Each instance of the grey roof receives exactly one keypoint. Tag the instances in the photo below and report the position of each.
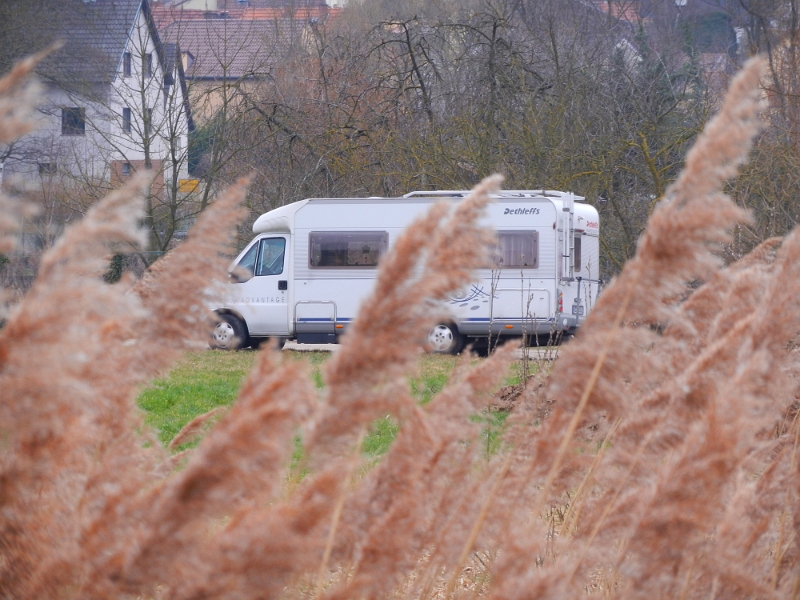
(94, 34)
(232, 48)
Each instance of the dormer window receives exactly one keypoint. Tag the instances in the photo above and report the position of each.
(188, 60)
(126, 64)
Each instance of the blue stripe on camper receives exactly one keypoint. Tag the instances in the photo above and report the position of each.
(325, 319)
(498, 319)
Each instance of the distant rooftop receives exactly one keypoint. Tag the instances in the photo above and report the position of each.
(166, 14)
(625, 11)
(231, 48)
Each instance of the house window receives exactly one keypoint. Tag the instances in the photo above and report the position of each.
(126, 120)
(125, 169)
(148, 64)
(126, 64)
(148, 119)
(73, 121)
(47, 168)
(518, 249)
(346, 249)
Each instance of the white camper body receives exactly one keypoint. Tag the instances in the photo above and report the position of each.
(313, 262)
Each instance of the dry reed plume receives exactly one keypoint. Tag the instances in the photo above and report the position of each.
(668, 467)
(18, 97)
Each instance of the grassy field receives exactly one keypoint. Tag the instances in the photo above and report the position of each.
(205, 380)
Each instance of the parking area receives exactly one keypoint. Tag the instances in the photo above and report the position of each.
(533, 352)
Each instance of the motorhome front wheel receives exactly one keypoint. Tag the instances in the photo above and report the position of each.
(445, 339)
(229, 333)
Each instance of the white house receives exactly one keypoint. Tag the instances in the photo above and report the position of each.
(115, 102)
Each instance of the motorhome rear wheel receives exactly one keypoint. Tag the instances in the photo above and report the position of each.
(445, 339)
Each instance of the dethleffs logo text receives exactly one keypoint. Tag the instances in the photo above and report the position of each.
(521, 211)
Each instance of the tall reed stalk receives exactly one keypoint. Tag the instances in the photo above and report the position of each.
(665, 465)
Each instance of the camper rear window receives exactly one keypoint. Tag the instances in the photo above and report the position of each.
(346, 249)
(517, 249)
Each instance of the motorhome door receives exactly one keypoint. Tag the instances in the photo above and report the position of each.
(259, 289)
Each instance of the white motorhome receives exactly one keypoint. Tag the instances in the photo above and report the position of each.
(312, 263)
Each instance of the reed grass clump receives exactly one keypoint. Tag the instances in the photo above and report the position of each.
(665, 464)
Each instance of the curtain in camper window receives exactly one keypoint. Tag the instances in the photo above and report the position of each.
(517, 249)
(346, 249)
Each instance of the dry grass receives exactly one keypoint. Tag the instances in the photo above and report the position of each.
(691, 397)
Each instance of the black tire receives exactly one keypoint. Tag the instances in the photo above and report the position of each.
(229, 333)
(445, 338)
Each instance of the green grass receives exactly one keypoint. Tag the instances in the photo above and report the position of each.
(434, 373)
(493, 422)
(198, 383)
(378, 440)
(205, 380)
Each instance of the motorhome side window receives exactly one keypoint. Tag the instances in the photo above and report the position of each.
(577, 253)
(264, 258)
(517, 249)
(270, 257)
(346, 249)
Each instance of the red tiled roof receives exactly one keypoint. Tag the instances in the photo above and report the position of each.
(310, 12)
(165, 15)
(232, 48)
(626, 10)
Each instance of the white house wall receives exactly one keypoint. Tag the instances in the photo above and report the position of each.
(138, 93)
(83, 157)
(88, 158)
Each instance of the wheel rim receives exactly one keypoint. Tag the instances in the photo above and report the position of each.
(223, 335)
(440, 338)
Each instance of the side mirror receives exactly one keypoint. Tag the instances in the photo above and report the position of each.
(240, 275)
